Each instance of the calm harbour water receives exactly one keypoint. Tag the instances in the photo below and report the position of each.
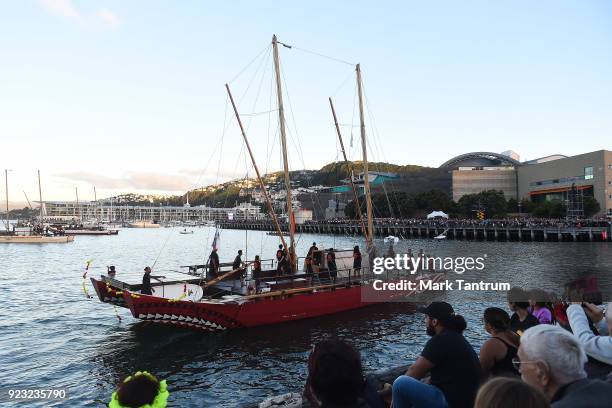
(51, 335)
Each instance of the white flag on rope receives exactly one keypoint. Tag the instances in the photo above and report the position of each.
(215, 244)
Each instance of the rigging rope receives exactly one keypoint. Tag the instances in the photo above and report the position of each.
(320, 55)
(250, 63)
(258, 113)
(376, 137)
(162, 248)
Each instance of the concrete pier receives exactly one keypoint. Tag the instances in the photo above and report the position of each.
(557, 234)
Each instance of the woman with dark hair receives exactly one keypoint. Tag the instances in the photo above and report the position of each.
(335, 377)
(541, 306)
(331, 265)
(256, 270)
(496, 354)
(509, 393)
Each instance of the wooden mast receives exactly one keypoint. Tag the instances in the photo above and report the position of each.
(355, 195)
(261, 183)
(366, 181)
(28, 200)
(76, 191)
(8, 221)
(281, 119)
(40, 198)
(96, 205)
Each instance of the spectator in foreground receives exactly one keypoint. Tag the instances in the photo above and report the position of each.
(552, 360)
(335, 377)
(521, 319)
(449, 360)
(509, 393)
(140, 390)
(597, 347)
(497, 353)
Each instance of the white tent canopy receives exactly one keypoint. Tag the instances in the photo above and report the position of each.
(435, 214)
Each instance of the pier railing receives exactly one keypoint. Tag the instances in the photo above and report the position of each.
(493, 231)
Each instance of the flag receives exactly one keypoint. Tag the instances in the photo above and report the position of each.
(215, 244)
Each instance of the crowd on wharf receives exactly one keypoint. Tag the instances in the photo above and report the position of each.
(504, 229)
(546, 354)
(469, 223)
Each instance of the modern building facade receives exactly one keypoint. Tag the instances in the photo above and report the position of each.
(469, 180)
(480, 171)
(589, 174)
(568, 179)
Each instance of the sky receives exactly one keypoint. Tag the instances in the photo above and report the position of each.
(130, 96)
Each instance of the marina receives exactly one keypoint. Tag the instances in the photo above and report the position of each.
(409, 210)
(208, 368)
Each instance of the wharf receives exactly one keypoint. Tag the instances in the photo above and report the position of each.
(472, 232)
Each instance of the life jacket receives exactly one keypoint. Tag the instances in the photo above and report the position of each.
(160, 401)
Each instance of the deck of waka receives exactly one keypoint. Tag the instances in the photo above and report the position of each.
(536, 233)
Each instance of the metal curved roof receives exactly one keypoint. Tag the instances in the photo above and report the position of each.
(489, 158)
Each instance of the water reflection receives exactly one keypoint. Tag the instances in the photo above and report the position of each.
(53, 336)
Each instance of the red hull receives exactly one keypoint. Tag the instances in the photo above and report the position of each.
(107, 293)
(222, 316)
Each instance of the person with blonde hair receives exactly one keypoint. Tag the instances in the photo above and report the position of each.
(509, 393)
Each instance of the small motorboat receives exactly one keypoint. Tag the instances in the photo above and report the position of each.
(276, 234)
(185, 231)
(143, 224)
(441, 236)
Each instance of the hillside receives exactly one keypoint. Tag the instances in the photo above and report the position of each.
(412, 179)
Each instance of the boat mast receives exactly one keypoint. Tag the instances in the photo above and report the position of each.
(28, 200)
(40, 198)
(355, 195)
(366, 180)
(261, 183)
(281, 118)
(96, 205)
(8, 221)
(76, 190)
